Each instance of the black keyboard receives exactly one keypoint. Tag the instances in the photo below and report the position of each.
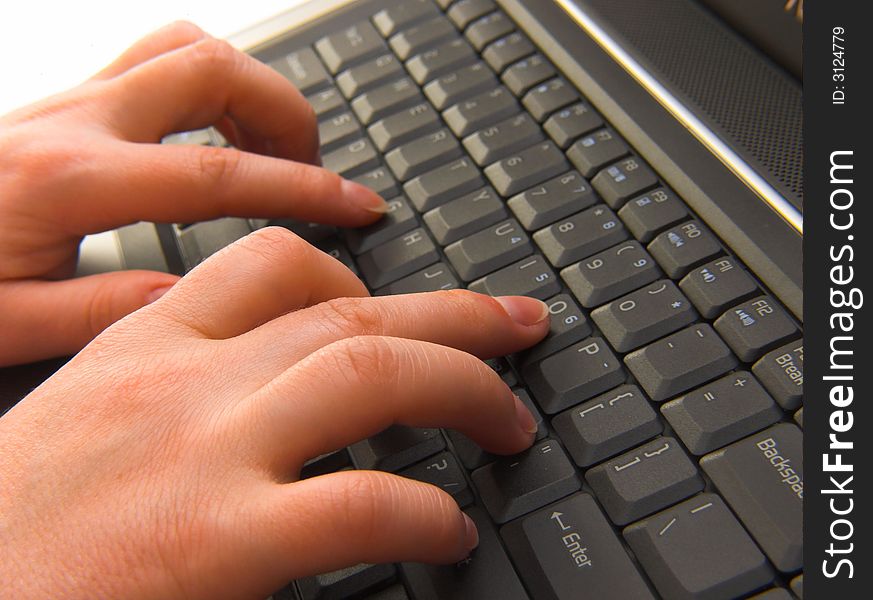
(668, 390)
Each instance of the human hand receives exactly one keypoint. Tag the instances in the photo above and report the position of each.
(88, 160)
(162, 461)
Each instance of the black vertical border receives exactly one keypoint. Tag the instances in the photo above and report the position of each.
(830, 127)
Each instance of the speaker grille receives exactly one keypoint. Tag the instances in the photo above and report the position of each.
(749, 101)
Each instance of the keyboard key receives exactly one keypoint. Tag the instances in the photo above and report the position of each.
(368, 75)
(326, 102)
(399, 219)
(643, 316)
(465, 215)
(486, 573)
(516, 485)
(773, 594)
(595, 151)
(761, 478)
(303, 69)
(555, 199)
(697, 549)
(530, 276)
(611, 273)
(394, 18)
(781, 372)
(526, 168)
(573, 375)
(567, 325)
(311, 232)
(460, 84)
(502, 139)
(397, 258)
(754, 327)
(442, 59)
(681, 361)
(404, 126)
(396, 448)
(332, 246)
(435, 187)
(466, 11)
(472, 456)
(651, 213)
(326, 463)
(336, 131)
(355, 44)
(480, 111)
(421, 37)
(622, 181)
(797, 586)
(566, 125)
(505, 51)
(580, 236)
(395, 592)
(548, 97)
(381, 181)
(433, 278)
(527, 73)
(347, 582)
(607, 425)
(442, 471)
(386, 99)
(423, 154)
(718, 285)
(489, 250)
(352, 159)
(644, 480)
(721, 412)
(485, 30)
(569, 547)
(201, 240)
(681, 248)
(798, 417)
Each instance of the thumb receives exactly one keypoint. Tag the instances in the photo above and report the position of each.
(45, 319)
(352, 517)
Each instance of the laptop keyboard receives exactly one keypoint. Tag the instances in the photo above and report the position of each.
(668, 390)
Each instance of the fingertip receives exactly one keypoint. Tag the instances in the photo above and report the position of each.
(471, 534)
(363, 198)
(524, 310)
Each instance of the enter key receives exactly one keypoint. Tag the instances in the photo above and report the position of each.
(569, 548)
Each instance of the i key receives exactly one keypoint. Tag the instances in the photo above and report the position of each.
(697, 549)
(611, 273)
(530, 276)
(644, 315)
(644, 480)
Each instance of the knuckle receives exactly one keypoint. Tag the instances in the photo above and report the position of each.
(217, 165)
(274, 245)
(364, 360)
(215, 55)
(353, 316)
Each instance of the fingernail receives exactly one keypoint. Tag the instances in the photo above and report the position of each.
(362, 196)
(525, 419)
(523, 310)
(157, 293)
(472, 535)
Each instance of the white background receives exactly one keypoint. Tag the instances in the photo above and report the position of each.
(47, 47)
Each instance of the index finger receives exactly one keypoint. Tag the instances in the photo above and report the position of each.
(199, 84)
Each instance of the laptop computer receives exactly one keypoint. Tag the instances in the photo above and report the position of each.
(635, 164)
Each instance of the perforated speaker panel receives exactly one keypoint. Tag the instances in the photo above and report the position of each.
(747, 100)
